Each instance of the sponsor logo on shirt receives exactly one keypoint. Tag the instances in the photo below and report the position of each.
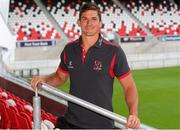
(70, 65)
(97, 65)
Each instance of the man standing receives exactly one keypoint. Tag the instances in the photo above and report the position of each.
(91, 63)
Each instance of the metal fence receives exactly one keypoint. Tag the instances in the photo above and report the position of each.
(62, 97)
(120, 121)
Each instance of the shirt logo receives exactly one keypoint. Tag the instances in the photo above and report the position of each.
(70, 65)
(97, 65)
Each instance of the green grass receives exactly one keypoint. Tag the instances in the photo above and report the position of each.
(159, 97)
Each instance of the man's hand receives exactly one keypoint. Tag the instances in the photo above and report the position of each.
(133, 122)
(37, 79)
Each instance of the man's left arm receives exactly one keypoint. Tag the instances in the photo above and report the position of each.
(123, 73)
(131, 97)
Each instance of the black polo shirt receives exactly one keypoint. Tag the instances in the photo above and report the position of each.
(91, 78)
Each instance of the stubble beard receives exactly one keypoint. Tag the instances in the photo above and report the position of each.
(91, 33)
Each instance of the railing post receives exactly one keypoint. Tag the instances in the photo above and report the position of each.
(36, 111)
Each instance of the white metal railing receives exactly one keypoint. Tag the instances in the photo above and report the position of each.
(120, 121)
(62, 97)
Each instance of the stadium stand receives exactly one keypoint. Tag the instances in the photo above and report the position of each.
(66, 14)
(28, 21)
(162, 17)
(14, 110)
(5, 121)
(34, 25)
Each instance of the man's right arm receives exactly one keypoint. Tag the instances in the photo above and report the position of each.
(54, 79)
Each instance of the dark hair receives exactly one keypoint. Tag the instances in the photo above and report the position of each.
(89, 6)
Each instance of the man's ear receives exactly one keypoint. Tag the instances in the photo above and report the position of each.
(100, 24)
(78, 22)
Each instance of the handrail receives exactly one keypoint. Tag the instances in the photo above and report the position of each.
(85, 104)
(60, 96)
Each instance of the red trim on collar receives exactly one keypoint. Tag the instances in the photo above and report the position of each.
(83, 54)
(111, 44)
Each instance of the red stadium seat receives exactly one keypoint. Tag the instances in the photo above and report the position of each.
(28, 118)
(25, 124)
(16, 113)
(3, 95)
(12, 111)
(5, 119)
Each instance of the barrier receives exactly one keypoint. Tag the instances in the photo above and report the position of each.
(120, 120)
(62, 98)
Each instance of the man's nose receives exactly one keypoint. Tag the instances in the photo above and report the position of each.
(89, 22)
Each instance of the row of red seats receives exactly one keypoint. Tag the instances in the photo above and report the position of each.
(11, 118)
(16, 113)
(34, 25)
(160, 17)
(31, 17)
(28, 21)
(69, 13)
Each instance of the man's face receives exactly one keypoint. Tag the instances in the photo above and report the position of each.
(90, 23)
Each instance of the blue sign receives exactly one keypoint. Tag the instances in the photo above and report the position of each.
(36, 43)
(170, 38)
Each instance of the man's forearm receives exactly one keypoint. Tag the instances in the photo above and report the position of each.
(54, 80)
(132, 101)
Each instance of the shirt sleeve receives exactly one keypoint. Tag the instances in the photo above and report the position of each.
(63, 66)
(121, 67)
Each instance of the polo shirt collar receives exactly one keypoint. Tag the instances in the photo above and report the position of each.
(98, 44)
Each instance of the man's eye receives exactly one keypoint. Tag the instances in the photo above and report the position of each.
(94, 19)
(84, 19)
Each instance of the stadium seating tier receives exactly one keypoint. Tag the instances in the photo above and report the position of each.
(28, 21)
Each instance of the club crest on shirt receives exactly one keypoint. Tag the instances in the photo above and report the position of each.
(97, 65)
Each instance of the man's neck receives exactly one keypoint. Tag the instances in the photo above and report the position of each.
(88, 41)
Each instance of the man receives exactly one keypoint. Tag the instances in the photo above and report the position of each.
(91, 63)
